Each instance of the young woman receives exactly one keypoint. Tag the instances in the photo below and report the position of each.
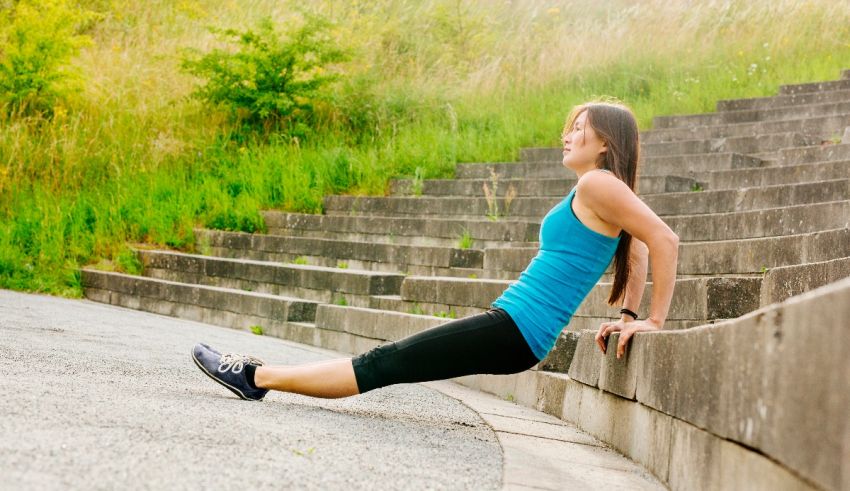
(579, 237)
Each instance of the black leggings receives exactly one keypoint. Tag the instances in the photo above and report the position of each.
(489, 342)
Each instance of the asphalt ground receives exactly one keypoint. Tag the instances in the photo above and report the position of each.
(100, 397)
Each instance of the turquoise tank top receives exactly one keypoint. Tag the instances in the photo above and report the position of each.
(570, 261)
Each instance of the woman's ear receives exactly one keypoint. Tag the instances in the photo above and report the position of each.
(604, 147)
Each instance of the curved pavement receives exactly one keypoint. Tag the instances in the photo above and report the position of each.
(97, 396)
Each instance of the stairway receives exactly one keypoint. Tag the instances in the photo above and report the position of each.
(758, 192)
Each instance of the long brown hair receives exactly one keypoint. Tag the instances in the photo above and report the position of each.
(616, 125)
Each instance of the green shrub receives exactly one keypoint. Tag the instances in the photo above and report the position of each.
(270, 80)
(37, 40)
(258, 330)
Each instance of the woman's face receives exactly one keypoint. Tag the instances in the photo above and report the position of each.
(582, 146)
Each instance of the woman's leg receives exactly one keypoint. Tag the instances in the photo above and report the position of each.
(488, 342)
(328, 379)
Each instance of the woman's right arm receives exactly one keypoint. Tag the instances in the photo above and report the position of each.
(615, 203)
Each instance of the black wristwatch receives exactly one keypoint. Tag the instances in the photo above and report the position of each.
(629, 312)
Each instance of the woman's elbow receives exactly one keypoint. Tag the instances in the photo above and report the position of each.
(665, 241)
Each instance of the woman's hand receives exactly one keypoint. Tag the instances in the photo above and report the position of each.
(626, 329)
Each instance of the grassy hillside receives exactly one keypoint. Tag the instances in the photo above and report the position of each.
(130, 157)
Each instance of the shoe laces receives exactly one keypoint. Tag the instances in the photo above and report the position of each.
(235, 362)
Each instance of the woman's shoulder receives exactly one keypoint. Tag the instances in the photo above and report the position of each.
(600, 181)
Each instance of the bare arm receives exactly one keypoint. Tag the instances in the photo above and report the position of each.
(615, 203)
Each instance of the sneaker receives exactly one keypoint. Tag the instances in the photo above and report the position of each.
(205, 345)
(228, 370)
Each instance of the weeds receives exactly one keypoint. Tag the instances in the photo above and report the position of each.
(417, 310)
(465, 239)
(258, 330)
(492, 199)
(417, 182)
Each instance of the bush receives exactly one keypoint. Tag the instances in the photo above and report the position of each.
(37, 40)
(271, 80)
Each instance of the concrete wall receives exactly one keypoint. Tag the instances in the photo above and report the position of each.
(758, 402)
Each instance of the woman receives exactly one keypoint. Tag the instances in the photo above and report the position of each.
(578, 239)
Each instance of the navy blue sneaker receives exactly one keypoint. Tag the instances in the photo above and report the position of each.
(228, 370)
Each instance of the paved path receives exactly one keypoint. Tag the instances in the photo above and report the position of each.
(97, 396)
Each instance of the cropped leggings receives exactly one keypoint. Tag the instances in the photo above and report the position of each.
(489, 342)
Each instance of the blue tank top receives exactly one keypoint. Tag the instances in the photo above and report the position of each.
(570, 261)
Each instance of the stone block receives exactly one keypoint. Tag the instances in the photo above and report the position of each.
(587, 360)
(619, 376)
(452, 291)
(372, 323)
(827, 245)
(508, 258)
(561, 355)
(551, 388)
(639, 432)
(93, 279)
(571, 408)
(784, 282)
(519, 387)
(97, 295)
(700, 460)
(729, 297)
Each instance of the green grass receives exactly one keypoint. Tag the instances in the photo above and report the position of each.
(131, 159)
(465, 241)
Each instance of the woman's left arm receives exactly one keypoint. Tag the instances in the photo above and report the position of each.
(614, 202)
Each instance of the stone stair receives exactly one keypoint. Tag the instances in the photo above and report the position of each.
(758, 192)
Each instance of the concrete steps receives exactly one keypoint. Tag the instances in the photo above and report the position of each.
(558, 186)
(758, 118)
(801, 99)
(415, 231)
(736, 144)
(697, 148)
(203, 303)
(723, 257)
(843, 84)
(543, 163)
(663, 204)
(813, 154)
(314, 283)
(772, 222)
(828, 122)
(331, 253)
(772, 176)
(696, 298)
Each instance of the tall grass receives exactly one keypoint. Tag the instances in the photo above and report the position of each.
(131, 158)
